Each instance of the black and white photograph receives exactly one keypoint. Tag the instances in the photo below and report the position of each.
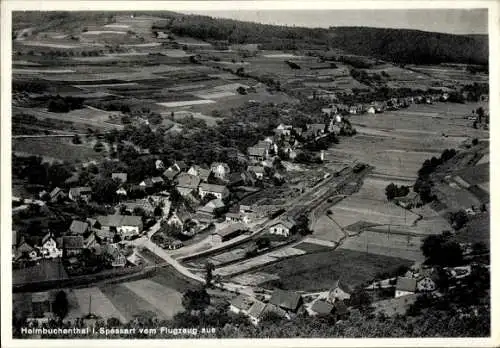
(216, 173)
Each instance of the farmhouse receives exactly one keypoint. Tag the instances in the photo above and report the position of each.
(218, 191)
(289, 301)
(405, 286)
(125, 225)
(220, 170)
(119, 176)
(143, 204)
(170, 174)
(210, 210)
(200, 172)
(56, 195)
(159, 164)
(80, 193)
(283, 228)
(90, 242)
(72, 245)
(228, 233)
(409, 201)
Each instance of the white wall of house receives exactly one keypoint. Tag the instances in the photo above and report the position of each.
(400, 293)
(128, 231)
(50, 250)
(280, 230)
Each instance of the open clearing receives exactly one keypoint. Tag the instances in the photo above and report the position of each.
(319, 271)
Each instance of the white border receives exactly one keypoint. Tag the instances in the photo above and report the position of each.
(5, 189)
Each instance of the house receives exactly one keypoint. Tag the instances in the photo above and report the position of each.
(248, 306)
(179, 166)
(218, 191)
(353, 110)
(236, 179)
(72, 245)
(282, 228)
(121, 191)
(119, 176)
(405, 286)
(146, 183)
(257, 153)
(289, 301)
(321, 307)
(48, 247)
(79, 227)
(83, 193)
(237, 217)
(297, 130)
(159, 164)
(56, 195)
(228, 233)
(371, 109)
(283, 129)
(338, 292)
(117, 258)
(125, 225)
(188, 181)
(210, 210)
(104, 237)
(26, 251)
(90, 242)
(143, 204)
(409, 201)
(200, 172)
(93, 223)
(220, 170)
(257, 171)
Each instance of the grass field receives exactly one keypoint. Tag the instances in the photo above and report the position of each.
(319, 271)
(477, 230)
(326, 229)
(56, 148)
(312, 248)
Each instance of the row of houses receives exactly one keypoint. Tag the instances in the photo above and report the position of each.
(289, 304)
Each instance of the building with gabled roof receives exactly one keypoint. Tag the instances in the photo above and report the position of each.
(72, 245)
(289, 301)
(405, 286)
(119, 176)
(219, 191)
(202, 173)
(57, 194)
(80, 193)
(228, 233)
(79, 227)
(283, 227)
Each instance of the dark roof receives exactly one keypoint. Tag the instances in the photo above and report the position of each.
(256, 151)
(406, 284)
(73, 242)
(242, 302)
(340, 307)
(231, 229)
(170, 174)
(322, 307)
(213, 188)
(188, 181)
(55, 192)
(257, 309)
(288, 300)
(288, 223)
(182, 165)
(130, 220)
(78, 227)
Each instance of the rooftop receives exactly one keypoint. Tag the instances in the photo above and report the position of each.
(406, 284)
(213, 188)
(285, 299)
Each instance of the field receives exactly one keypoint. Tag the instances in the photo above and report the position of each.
(44, 270)
(160, 295)
(326, 229)
(477, 230)
(319, 271)
(55, 148)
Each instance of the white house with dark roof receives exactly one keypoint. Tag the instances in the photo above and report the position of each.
(282, 227)
(200, 172)
(219, 191)
(83, 193)
(220, 170)
(48, 247)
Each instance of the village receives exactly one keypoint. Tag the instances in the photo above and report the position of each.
(160, 177)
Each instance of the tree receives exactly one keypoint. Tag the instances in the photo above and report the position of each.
(209, 268)
(458, 219)
(263, 242)
(241, 90)
(60, 306)
(195, 300)
(76, 139)
(99, 146)
(390, 191)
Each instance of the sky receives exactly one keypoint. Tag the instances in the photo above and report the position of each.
(453, 21)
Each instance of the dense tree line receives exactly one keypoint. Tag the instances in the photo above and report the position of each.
(64, 104)
(392, 191)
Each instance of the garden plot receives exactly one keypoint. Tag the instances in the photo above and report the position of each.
(176, 104)
(50, 44)
(239, 267)
(456, 198)
(42, 71)
(92, 298)
(286, 252)
(354, 208)
(254, 279)
(233, 255)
